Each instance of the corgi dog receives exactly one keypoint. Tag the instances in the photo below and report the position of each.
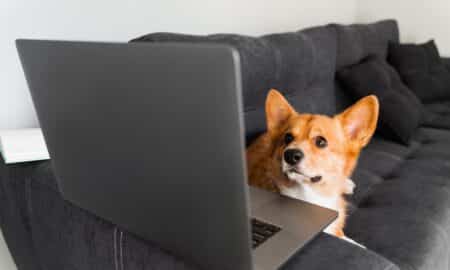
(309, 156)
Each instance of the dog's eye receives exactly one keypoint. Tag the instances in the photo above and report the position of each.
(288, 138)
(320, 142)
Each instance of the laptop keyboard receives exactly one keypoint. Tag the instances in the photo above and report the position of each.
(261, 231)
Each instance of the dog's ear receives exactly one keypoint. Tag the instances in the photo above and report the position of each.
(278, 110)
(360, 120)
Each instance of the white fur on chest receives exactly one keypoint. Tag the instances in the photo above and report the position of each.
(305, 193)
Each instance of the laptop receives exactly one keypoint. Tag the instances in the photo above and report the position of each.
(151, 137)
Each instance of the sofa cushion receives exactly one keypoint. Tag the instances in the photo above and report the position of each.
(406, 219)
(378, 143)
(421, 69)
(14, 184)
(429, 135)
(299, 64)
(380, 159)
(400, 110)
(438, 121)
(440, 107)
(357, 41)
(328, 250)
(77, 239)
(446, 61)
(432, 151)
(365, 181)
(413, 199)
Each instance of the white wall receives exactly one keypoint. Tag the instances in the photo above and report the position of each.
(122, 20)
(419, 20)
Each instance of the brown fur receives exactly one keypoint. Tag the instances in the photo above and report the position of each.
(346, 134)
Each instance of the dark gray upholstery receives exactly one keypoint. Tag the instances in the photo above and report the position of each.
(439, 121)
(296, 63)
(356, 42)
(439, 108)
(446, 61)
(399, 211)
(328, 252)
(374, 76)
(83, 241)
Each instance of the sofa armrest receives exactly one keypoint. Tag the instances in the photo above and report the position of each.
(446, 61)
(321, 253)
(328, 252)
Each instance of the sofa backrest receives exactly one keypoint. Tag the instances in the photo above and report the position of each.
(357, 41)
(300, 64)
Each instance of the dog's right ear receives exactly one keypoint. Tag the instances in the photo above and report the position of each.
(278, 110)
(360, 120)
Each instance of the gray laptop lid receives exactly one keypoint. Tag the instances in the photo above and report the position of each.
(150, 137)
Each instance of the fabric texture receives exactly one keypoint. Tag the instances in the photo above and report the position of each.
(422, 69)
(446, 61)
(299, 64)
(357, 41)
(400, 110)
(399, 209)
(83, 241)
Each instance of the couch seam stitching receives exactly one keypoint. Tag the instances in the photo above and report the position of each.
(27, 186)
(115, 248)
(121, 250)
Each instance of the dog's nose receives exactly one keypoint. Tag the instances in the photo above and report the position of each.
(293, 156)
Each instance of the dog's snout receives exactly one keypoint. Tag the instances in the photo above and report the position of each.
(293, 156)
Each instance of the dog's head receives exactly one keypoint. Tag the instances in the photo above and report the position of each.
(318, 150)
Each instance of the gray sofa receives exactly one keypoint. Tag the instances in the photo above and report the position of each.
(400, 210)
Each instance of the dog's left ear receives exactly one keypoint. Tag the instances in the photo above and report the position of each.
(360, 120)
(278, 110)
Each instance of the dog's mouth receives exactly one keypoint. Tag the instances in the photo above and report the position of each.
(313, 179)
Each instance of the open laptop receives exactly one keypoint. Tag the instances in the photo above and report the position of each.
(151, 137)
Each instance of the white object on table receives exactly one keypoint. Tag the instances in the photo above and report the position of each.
(22, 145)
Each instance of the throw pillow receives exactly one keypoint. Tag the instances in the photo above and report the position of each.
(421, 69)
(400, 110)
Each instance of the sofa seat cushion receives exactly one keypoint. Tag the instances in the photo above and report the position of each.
(382, 156)
(407, 220)
(328, 250)
(378, 143)
(430, 158)
(379, 162)
(433, 151)
(365, 182)
(430, 168)
(390, 181)
(442, 107)
(376, 162)
(429, 135)
(441, 121)
(374, 167)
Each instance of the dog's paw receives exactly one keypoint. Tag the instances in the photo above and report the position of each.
(353, 242)
(349, 186)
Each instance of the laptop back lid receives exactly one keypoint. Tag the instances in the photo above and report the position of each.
(150, 137)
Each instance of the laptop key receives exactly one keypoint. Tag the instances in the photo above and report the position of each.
(261, 231)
